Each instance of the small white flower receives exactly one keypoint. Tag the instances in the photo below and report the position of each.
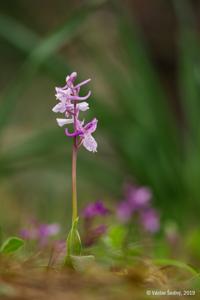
(60, 107)
(83, 106)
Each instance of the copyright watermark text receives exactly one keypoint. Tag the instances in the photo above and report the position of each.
(170, 293)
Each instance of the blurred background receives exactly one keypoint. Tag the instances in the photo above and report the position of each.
(143, 58)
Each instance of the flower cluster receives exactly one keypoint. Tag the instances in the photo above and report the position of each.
(41, 236)
(138, 202)
(40, 232)
(94, 209)
(70, 104)
(94, 232)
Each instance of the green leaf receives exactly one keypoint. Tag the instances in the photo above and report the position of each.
(1, 236)
(145, 117)
(189, 63)
(74, 245)
(193, 242)
(17, 34)
(176, 263)
(189, 86)
(11, 245)
(116, 236)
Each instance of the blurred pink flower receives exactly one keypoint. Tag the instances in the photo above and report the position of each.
(92, 231)
(138, 203)
(124, 211)
(137, 196)
(94, 209)
(150, 220)
(40, 232)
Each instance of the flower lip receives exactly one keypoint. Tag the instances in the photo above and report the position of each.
(89, 143)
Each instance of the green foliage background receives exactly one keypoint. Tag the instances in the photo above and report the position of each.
(139, 136)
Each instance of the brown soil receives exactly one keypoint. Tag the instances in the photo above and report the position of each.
(23, 281)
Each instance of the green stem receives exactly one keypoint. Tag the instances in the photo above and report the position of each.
(74, 160)
(74, 189)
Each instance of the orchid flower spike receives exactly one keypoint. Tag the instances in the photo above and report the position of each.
(71, 104)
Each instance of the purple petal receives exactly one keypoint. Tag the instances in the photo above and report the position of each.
(63, 94)
(95, 209)
(91, 126)
(71, 78)
(79, 98)
(73, 134)
(83, 83)
(83, 106)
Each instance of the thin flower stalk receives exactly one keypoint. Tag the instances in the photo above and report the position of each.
(71, 104)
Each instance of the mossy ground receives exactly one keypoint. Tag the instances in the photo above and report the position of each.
(24, 280)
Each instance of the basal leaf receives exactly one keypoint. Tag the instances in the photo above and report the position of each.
(74, 245)
(11, 245)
